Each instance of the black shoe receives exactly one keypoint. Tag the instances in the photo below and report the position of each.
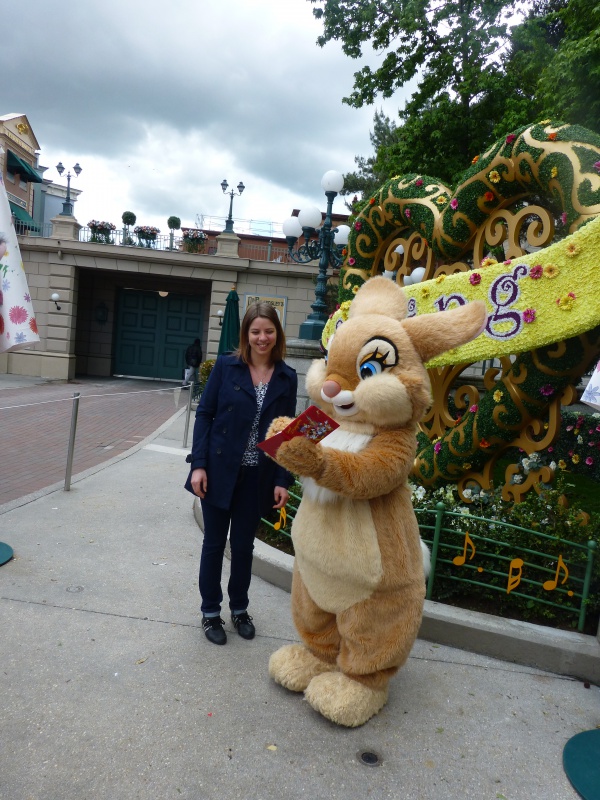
(243, 625)
(213, 630)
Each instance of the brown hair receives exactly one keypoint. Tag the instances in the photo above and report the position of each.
(266, 311)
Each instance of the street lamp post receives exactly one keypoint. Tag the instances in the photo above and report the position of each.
(67, 210)
(240, 188)
(326, 248)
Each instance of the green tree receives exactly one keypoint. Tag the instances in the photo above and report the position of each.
(569, 87)
(451, 49)
(533, 46)
(370, 174)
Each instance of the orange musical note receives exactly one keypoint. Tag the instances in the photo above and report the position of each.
(282, 519)
(550, 585)
(460, 560)
(514, 581)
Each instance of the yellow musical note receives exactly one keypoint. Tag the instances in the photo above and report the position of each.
(550, 585)
(460, 560)
(282, 519)
(513, 582)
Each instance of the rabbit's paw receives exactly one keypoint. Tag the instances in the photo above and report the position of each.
(344, 700)
(301, 456)
(293, 666)
(278, 424)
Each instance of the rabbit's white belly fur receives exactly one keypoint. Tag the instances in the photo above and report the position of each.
(335, 540)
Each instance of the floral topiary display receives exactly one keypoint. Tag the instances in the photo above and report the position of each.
(551, 159)
(542, 307)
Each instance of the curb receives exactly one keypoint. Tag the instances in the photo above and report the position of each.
(550, 649)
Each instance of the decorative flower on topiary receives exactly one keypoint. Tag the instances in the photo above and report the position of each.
(489, 197)
(487, 262)
(552, 136)
(454, 203)
(547, 390)
(441, 200)
(597, 166)
(494, 176)
(475, 160)
(372, 201)
(357, 225)
(529, 315)
(563, 217)
(551, 271)
(407, 213)
(351, 261)
(572, 249)
(565, 303)
(440, 278)
(536, 272)
(474, 279)
(510, 138)
(498, 395)
(419, 182)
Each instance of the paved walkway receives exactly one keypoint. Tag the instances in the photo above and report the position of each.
(110, 690)
(35, 423)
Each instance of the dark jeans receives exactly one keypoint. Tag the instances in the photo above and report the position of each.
(244, 516)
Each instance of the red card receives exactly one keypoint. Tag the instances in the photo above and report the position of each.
(312, 423)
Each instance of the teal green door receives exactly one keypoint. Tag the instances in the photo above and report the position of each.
(153, 333)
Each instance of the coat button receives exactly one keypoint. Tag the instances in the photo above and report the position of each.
(218, 451)
(236, 387)
(229, 408)
(224, 430)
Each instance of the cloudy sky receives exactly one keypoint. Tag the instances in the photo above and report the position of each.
(159, 101)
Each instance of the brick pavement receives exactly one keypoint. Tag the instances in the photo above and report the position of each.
(114, 415)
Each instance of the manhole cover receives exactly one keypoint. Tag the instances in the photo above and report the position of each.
(74, 589)
(369, 758)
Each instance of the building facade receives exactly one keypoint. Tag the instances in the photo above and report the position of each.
(127, 310)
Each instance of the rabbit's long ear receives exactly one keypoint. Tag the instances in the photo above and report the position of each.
(379, 296)
(433, 334)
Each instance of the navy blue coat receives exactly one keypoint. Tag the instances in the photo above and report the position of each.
(224, 419)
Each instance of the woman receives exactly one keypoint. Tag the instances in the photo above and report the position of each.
(236, 482)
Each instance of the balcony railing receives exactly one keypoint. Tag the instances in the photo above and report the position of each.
(255, 251)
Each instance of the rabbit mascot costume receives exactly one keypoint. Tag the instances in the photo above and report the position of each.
(358, 586)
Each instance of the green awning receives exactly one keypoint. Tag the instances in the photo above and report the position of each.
(25, 170)
(23, 216)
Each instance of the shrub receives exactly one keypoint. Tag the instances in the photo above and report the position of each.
(174, 223)
(544, 513)
(128, 218)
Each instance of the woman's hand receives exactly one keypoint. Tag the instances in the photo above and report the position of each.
(281, 496)
(199, 482)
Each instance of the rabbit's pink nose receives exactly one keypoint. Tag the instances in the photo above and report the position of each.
(331, 388)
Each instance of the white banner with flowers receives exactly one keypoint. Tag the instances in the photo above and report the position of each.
(591, 396)
(18, 327)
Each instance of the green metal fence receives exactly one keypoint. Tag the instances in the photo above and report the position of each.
(460, 554)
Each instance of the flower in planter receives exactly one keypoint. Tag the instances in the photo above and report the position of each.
(101, 230)
(194, 240)
(146, 234)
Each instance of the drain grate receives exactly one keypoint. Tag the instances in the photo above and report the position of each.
(369, 758)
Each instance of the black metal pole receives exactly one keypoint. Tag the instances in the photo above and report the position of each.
(313, 325)
(229, 222)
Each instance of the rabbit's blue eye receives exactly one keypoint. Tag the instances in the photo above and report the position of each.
(370, 368)
(375, 356)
